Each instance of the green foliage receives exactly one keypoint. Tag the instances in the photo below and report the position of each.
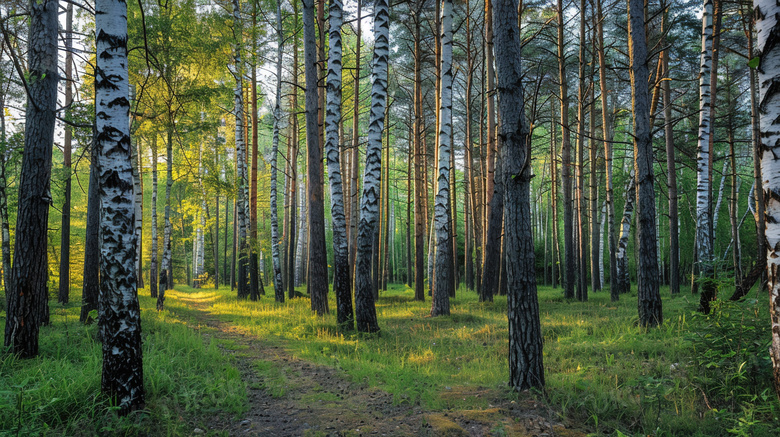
(731, 365)
(59, 391)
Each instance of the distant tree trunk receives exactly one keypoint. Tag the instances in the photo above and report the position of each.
(648, 295)
(5, 153)
(554, 196)
(64, 291)
(441, 294)
(582, 276)
(215, 233)
(419, 159)
(293, 160)
(317, 280)
(241, 171)
(278, 286)
(120, 322)
(703, 199)
(671, 174)
(91, 284)
(166, 258)
(607, 133)
(526, 367)
(255, 284)
(491, 271)
(342, 285)
(622, 282)
(28, 297)
(491, 127)
(153, 257)
(354, 159)
(569, 265)
(365, 311)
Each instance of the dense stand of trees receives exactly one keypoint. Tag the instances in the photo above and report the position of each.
(464, 132)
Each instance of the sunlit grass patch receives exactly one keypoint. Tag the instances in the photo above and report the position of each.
(59, 391)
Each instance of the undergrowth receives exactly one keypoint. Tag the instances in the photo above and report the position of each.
(58, 392)
(605, 374)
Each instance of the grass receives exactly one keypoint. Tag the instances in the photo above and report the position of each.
(58, 393)
(605, 375)
(603, 371)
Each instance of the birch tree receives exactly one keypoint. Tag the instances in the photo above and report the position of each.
(342, 286)
(275, 257)
(441, 301)
(767, 15)
(365, 310)
(120, 313)
(703, 200)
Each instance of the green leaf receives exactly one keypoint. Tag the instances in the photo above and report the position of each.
(753, 63)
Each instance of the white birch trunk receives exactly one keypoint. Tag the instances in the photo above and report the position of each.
(767, 13)
(241, 170)
(621, 257)
(275, 255)
(703, 237)
(341, 279)
(121, 316)
(365, 310)
(441, 300)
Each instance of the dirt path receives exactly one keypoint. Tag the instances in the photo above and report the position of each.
(293, 397)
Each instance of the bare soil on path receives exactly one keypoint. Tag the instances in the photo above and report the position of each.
(317, 400)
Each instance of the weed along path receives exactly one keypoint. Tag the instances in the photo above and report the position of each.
(290, 396)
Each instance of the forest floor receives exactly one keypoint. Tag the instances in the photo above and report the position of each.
(289, 396)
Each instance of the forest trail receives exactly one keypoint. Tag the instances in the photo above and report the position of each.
(289, 396)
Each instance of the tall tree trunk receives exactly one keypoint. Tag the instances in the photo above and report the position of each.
(768, 31)
(241, 170)
(28, 298)
(671, 174)
(64, 291)
(255, 284)
(278, 286)
(5, 154)
(569, 265)
(441, 294)
(293, 160)
(153, 256)
(120, 319)
(648, 296)
(342, 285)
(215, 233)
(166, 267)
(317, 282)
(607, 135)
(491, 125)
(554, 196)
(365, 311)
(354, 159)
(703, 198)
(526, 367)
(419, 164)
(582, 288)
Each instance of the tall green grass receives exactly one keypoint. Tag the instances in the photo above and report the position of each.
(604, 372)
(58, 392)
